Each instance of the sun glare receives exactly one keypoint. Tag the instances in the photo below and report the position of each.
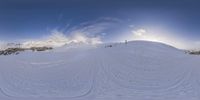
(143, 34)
(156, 35)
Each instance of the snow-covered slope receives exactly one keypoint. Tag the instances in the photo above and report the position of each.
(135, 71)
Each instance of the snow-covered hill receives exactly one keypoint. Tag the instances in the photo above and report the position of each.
(135, 71)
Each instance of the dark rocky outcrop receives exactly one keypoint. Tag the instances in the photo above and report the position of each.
(10, 51)
(40, 48)
(194, 52)
(108, 46)
(16, 51)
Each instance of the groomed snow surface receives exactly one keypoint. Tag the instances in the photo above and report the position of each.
(135, 71)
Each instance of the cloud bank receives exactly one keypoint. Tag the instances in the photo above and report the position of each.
(58, 39)
(85, 33)
(92, 32)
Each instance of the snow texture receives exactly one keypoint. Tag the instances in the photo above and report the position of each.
(135, 71)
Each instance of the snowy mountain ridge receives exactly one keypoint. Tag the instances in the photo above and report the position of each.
(55, 40)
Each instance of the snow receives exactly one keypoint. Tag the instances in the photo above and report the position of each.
(138, 70)
(2, 45)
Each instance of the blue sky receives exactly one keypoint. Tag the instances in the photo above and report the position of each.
(20, 19)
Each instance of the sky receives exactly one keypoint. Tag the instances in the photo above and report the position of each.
(112, 20)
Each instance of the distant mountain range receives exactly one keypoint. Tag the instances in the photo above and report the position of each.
(55, 40)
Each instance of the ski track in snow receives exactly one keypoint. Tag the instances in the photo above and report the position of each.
(136, 71)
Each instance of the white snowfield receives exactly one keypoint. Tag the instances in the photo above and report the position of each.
(135, 71)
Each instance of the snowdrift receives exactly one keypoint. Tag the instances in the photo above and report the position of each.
(135, 71)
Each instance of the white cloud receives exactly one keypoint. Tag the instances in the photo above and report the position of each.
(94, 28)
(90, 32)
(139, 32)
(87, 33)
(143, 34)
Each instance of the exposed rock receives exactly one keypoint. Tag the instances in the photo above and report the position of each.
(40, 48)
(10, 51)
(108, 46)
(16, 51)
(194, 52)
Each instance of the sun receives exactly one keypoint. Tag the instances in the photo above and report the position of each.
(143, 34)
(139, 32)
